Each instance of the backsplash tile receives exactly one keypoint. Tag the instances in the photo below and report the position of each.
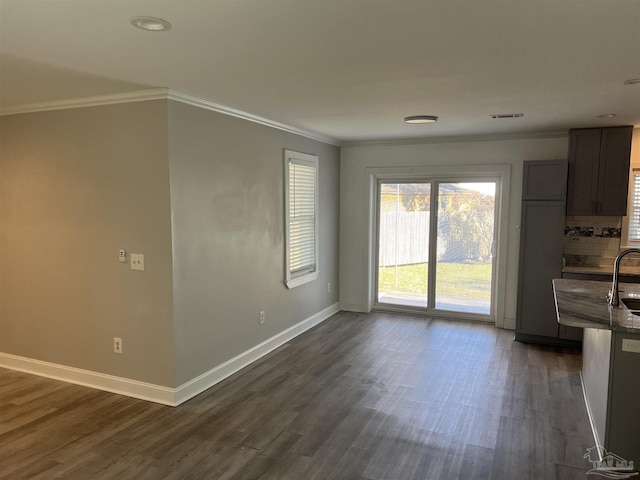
(578, 231)
(591, 240)
(599, 246)
(607, 232)
(612, 232)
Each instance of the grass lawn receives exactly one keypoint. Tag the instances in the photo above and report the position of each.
(469, 280)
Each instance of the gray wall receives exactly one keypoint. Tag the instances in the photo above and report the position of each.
(76, 186)
(228, 236)
(354, 198)
(199, 193)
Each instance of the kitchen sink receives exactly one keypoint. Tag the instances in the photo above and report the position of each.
(632, 304)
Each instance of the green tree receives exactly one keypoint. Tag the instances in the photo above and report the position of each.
(465, 224)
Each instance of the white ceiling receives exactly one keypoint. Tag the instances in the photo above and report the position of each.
(349, 70)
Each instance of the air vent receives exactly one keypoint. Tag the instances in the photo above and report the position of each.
(507, 115)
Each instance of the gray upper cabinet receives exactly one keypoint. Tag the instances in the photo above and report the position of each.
(599, 170)
(544, 180)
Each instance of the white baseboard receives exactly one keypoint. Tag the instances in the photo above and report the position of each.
(351, 307)
(89, 378)
(208, 379)
(157, 393)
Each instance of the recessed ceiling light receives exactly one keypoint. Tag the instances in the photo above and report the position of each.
(633, 81)
(151, 24)
(607, 115)
(420, 119)
(507, 115)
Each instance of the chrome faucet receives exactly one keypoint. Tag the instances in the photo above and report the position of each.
(614, 297)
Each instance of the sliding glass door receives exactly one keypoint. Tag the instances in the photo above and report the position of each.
(403, 243)
(435, 245)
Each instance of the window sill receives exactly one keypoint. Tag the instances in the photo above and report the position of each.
(301, 280)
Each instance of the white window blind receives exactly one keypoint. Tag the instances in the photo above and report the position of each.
(634, 208)
(301, 177)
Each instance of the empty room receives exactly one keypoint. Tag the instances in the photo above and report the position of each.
(319, 239)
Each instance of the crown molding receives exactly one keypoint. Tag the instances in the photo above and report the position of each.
(168, 94)
(206, 104)
(160, 94)
(127, 97)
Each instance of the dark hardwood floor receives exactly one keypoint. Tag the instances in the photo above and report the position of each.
(376, 396)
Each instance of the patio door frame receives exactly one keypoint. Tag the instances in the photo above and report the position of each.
(443, 174)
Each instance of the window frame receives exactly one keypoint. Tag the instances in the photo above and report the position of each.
(634, 182)
(295, 278)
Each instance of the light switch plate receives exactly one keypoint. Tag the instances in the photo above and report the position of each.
(629, 345)
(137, 261)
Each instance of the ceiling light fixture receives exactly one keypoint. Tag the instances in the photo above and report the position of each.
(420, 119)
(633, 81)
(151, 24)
(507, 115)
(607, 115)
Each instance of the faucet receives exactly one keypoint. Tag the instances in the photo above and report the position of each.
(614, 297)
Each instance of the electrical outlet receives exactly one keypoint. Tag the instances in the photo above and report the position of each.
(122, 255)
(117, 345)
(262, 318)
(137, 261)
(328, 287)
(629, 345)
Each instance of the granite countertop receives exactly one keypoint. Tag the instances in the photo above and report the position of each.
(583, 303)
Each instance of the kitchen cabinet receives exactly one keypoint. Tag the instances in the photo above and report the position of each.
(610, 384)
(541, 243)
(544, 180)
(599, 170)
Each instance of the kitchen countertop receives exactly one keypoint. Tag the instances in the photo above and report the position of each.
(583, 303)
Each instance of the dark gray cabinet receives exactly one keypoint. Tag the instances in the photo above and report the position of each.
(544, 180)
(541, 242)
(611, 388)
(599, 170)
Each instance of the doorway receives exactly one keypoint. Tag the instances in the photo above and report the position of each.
(436, 245)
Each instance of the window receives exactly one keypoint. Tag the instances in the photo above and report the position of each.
(301, 217)
(632, 222)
